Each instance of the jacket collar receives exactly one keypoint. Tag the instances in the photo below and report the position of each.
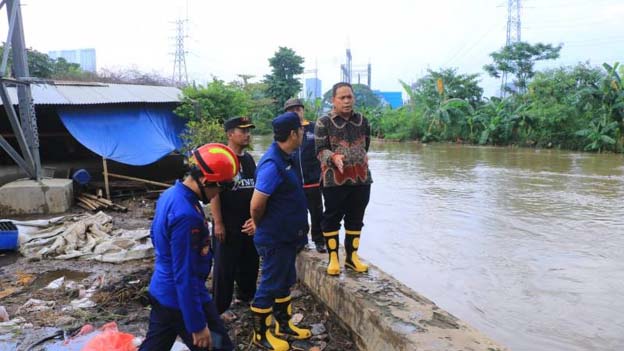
(339, 121)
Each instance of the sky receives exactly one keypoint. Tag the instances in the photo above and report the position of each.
(401, 39)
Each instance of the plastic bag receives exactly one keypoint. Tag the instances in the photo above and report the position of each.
(111, 339)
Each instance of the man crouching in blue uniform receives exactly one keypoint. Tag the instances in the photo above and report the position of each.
(279, 211)
(181, 304)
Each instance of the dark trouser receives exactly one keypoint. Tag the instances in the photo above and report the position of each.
(315, 207)
(235, 260)
(345, 202)
(278, 274)
(167, 323)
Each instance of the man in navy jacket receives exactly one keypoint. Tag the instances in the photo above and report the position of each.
(278, 209)
(181, 304)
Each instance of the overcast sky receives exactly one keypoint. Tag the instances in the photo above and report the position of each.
(400, 38)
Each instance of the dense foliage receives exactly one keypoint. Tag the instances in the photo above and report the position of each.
(578, 107)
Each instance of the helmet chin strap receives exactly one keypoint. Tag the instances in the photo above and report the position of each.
(202, 191)
(195, 174)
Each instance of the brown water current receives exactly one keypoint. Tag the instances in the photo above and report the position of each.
(523, 244)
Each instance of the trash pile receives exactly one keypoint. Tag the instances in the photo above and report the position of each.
(86, 237)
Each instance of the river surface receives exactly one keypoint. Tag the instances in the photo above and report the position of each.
(525, 245)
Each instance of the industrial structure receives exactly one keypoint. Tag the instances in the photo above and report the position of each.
(25, 126)
(349, 71)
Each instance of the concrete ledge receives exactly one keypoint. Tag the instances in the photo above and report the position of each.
(32, 197)
(384, 314)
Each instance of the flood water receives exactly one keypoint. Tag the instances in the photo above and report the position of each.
(525, 245)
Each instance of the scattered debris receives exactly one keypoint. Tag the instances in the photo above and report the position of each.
(94, 203)
(318, 328)
(297, 318)
(295, 294)
(56, 284)
(35, 305)
(8, 292)
(115, 291)
(4, 315)
(11, 326)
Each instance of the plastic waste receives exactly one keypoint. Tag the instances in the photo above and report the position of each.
(111, 339)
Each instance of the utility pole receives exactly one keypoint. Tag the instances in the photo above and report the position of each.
(514, 32)
(25, 126)
(180, 75)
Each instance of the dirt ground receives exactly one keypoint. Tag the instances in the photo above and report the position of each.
(120, 296)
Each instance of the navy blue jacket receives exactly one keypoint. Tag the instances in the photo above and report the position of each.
(183, 259)
(286, 216)
(308, 166)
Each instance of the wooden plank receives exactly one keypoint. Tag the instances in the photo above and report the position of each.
(139, 180)
(105, 164)
(85, 203)
(94, 197)
(83, 206)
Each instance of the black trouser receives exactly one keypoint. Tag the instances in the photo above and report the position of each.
(315, 207)
(166, 324)
(345, 202)
(235, 260)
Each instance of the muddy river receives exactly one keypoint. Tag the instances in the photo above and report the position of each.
(526, 245)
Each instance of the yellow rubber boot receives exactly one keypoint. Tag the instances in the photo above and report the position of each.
(331, 239)
(262, 336)
(284, 327)
(352, 261)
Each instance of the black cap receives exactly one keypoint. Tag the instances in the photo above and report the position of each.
(238, 122)
(292, 103)
(286, 122)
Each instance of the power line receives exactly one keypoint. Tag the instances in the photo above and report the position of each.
(466, 49)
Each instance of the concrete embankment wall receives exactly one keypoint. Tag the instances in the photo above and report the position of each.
(385, 315)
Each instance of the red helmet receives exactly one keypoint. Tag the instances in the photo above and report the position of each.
(217, 162)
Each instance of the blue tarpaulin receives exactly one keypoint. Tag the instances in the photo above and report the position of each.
(134, 135)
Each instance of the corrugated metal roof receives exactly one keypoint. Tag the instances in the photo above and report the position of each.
(97, 93)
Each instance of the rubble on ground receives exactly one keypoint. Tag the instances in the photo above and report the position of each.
(47, 297)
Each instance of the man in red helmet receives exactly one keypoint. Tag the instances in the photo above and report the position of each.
(181, 304)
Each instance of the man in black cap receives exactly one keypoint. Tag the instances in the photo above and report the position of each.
(236, 259)
(278, 208)
(310, 170)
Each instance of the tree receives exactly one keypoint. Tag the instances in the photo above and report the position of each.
(456, 86)
(282, 83)
(519, 59)
(131, 76)
(206, 107)
(216, 102)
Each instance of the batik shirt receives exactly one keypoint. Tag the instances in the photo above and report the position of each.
(335, 135)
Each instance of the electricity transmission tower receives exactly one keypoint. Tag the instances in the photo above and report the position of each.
(514, 32)
(24, 124)
(180, 75)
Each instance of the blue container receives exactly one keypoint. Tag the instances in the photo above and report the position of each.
(81, 177)
(8, 236)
